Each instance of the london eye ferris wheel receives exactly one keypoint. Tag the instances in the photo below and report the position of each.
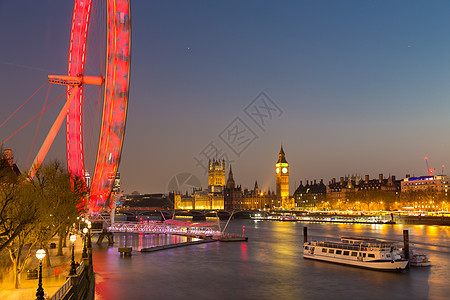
(115, 83)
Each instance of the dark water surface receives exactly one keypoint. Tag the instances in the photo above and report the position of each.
(269, 266)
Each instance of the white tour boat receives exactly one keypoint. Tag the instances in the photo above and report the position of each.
(357, 252)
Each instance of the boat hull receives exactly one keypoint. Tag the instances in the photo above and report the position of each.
(381, 265)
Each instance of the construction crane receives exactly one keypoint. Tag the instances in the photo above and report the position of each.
(430, 171)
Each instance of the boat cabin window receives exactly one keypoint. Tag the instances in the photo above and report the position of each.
(364, 254)
(354, 253)
(324, 249)
(346, 252)
(330, 250)
(338, 251)
(371, 255)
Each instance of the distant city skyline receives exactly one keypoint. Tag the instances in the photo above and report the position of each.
(348, 87)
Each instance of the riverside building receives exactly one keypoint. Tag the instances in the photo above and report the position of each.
(439, 183)
(309, 196)
(337, 190)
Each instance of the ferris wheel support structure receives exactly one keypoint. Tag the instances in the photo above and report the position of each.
(70, 81)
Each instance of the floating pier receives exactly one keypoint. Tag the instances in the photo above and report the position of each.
(164, 247)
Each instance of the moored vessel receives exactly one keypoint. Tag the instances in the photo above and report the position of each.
(417, 259)
(357, 252)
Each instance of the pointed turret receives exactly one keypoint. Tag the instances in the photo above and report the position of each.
(282, 156)
(230, 181)
(256, 189)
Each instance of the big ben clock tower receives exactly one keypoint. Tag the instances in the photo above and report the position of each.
(282, 179)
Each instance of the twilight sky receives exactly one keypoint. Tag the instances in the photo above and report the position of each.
(349, 87)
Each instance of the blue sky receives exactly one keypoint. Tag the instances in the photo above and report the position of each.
(363, 86)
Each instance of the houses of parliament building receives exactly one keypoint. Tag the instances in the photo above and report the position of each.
(228, 195)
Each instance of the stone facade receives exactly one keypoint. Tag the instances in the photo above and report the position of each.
(309, 196)
(216, 176)
(352, 184)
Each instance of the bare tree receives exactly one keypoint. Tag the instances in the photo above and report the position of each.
(25, 208)
(13, 217)
(62, 196)
(34, 211)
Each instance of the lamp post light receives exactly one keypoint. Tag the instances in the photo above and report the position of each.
(80, 219)
(40, 254)
(89, 245)
(73, 267)
(84, 255)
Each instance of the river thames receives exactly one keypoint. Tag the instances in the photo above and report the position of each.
(269, 266)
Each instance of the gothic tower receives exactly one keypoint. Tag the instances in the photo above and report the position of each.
(216, 176)
(233, 194)
(230, 182)
(282, 179)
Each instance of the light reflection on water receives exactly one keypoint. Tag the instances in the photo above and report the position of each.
(268, 266)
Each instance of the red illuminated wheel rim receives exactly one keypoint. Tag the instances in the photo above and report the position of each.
(115, 99)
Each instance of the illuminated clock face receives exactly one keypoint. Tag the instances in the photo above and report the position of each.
(278, 170)
(284, 170)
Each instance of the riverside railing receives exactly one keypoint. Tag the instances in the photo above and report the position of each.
(59, 293)
(77, 286)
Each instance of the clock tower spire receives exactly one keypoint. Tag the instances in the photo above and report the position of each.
(282, 180)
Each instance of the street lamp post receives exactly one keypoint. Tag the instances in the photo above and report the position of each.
(40, 254)
(89, 245)
(85, 230)
(73, 267)
(79, 223)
